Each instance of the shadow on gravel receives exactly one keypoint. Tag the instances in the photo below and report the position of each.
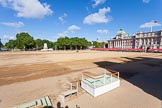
(143, 72)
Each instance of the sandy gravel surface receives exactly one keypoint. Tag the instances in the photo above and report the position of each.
(26, 76)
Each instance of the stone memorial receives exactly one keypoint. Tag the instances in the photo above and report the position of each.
(45, 46)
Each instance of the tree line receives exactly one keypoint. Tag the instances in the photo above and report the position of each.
(24, 41)
(1, 44)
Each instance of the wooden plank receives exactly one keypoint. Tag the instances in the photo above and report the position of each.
(93, 76)
(69, 92)
(38, 102)
(44, 102)
(26, 105)
(48, 101)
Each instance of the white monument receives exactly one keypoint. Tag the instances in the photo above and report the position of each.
(45, 46)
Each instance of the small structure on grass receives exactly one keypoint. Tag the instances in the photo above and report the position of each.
(44, 102)
(45, 48)
(73, 90)
(99, 84)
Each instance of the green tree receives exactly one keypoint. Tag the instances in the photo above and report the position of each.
(75, 42)
(72, 43)
(84, 43)
(55, 45)
(11, 44)
(1, 45)
(63, 42)
(24, 41)
(39, 44)
(97, 44)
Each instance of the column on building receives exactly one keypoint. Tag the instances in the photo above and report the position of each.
(130, 44)
(127, 43)
(117, 43)
(139, 43)
(122, 44)
(109, 46)
(136, 43)
(148, 42)
(155, 46)
(144, 43)
(161, 41)
(152, 42)
(112, 44)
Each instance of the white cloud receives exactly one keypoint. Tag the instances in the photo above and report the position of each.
(97, 2)
(102, 31)
(28, 8)
(61, 18)
(99, 17)
(72, 28)
(13, 24)
(7, 37)
(63, 34)
(150, 24)
(146, 1)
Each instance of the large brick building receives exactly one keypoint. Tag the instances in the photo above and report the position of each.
(143, 40)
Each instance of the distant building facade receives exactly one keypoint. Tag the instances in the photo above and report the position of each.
(139, 40)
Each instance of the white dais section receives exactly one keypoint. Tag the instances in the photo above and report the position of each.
(100, 90)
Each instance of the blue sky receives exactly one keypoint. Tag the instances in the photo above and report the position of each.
(51, 19)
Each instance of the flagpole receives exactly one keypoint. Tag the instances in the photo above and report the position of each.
(151, 28)
(152, 24)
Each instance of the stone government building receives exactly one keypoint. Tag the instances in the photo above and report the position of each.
(145, 40)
